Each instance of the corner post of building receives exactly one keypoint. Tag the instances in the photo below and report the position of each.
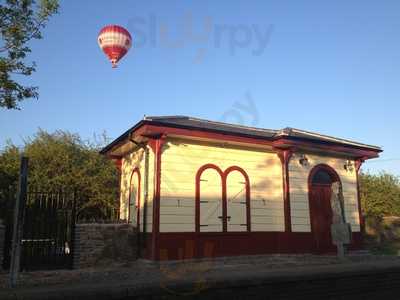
(358, 162)
(156, 143)
(285, 155)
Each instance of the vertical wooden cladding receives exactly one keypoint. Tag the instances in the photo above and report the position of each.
(182, 160)
(226, 207)
(299, 190)
(358, 164)
(134, 197)
(131, 162)
(214, 193)
(241, 218)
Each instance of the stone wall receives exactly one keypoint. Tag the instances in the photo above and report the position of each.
(2, 238)
(103, 244)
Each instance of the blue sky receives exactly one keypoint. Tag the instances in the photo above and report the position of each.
(330, 67)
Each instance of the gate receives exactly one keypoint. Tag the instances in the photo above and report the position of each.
(48, 231)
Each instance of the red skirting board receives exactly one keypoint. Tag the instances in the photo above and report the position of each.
(176, 246)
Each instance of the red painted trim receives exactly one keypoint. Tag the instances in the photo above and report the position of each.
(208, 244)
(285, 156)
(284, 142)
(146, 128)
(335, 177)
(278, 143)
(331, 171)
(118, 163)
(224, 205)
(153, 130)
(358, 164)
(224, 176)
(135, 171)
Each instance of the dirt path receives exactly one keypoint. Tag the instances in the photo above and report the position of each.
(168, 272)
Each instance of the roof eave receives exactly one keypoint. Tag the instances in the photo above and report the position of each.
(122, 137)
(373, 150)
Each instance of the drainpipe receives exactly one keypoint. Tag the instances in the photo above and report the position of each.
(146, 196)
(285, 156)
(138, 234)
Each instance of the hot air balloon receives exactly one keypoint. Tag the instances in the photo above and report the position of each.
(115, 41)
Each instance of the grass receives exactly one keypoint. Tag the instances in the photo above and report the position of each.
(384, 249)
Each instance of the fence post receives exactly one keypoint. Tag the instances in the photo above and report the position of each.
(18, 221)
(2, 240)
(73, 228)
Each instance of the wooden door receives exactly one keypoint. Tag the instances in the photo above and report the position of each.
(321, 217)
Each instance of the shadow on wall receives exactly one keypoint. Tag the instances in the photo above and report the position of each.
(130, 163)
(382, 235)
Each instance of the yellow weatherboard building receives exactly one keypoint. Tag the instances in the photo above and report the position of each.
(197, 188)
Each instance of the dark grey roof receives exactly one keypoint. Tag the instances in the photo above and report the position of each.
(233, 129)
(213, 125)
(252, 131)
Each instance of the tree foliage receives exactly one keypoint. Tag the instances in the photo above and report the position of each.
(62, 161)
(20, 22)
(380, 194)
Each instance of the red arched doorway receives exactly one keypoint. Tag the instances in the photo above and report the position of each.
(319, 186)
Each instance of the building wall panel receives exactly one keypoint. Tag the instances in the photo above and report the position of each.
(182, 159)
(130, 162)
(298, 181)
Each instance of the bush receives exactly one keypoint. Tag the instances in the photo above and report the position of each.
(62, 161)
(380, 194)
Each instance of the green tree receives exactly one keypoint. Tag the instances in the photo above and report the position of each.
(63, 161)
(20, 22)
(9, 166)
(380, 194)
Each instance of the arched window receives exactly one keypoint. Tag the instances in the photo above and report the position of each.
(222, 199)
(321, 177)
(134, 197)
(237, 196)
(210, 200)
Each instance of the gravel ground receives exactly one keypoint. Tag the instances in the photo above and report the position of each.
(165, 273)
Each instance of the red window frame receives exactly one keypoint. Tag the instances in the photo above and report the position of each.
(224, 176)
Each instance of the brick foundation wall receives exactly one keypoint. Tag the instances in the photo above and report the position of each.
(102, 244)
(2, 238)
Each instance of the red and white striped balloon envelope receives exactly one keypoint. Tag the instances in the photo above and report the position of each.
(115, 41)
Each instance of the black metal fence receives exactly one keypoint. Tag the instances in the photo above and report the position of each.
(49, 223)
(49, 227)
